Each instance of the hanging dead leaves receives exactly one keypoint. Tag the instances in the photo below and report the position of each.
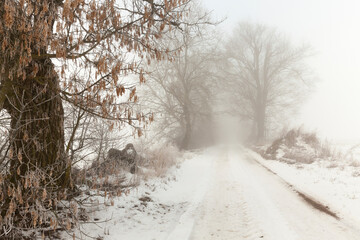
(86, 51)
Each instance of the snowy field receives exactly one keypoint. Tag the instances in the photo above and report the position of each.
(161, 208)
(335, 184)
(224, 193)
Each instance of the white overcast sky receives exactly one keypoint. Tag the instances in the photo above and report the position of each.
(332, 28)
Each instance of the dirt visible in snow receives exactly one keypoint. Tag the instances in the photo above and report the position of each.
(246, 201)
(310, 200)
(317, 205)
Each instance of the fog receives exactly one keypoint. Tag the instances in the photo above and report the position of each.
(331, 28)
(180, 119)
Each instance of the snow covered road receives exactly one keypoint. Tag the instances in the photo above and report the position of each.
(245, 201)
(220, 193)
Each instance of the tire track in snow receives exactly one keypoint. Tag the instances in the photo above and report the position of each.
(257, 210)
(307, 198)
(279, 210)
(341, 224)
(224, 213)
(250, 227)
(198, 190)
(245, 201)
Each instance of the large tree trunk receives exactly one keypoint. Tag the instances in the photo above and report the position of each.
(253, 132)
(37, 128)
(185, 144)
(186, 140)
(260, 118)
(261, 126)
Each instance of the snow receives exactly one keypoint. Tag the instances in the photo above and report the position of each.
(335, 184)
(249, 202)
(224, 193)
(167, 213)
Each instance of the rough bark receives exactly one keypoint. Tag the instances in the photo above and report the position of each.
(185, 144)
(37, 127)
(260, 117)
(261, 125)
(187, 136)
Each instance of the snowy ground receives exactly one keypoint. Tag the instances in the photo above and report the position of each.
(249, 202)
(224, 193)
(335, 184)
(158, 209)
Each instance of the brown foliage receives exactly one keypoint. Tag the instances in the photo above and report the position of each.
(77, 51)
(105, 39)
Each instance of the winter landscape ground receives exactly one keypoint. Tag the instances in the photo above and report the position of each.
(231, 192)
(179, 120)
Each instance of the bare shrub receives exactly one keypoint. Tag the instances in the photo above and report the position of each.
(332, 165)
(298, 146)
(158, 161)
(354, 163)
(298, 166)
(300, 156)
(352, 156)
(109, 175)
(326, 150)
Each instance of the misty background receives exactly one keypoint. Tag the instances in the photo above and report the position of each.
(179, 119)
(332, 29)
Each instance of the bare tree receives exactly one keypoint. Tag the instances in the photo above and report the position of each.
(266, 74)
(181, 90)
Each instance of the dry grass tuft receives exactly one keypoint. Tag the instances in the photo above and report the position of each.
(158, 161)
